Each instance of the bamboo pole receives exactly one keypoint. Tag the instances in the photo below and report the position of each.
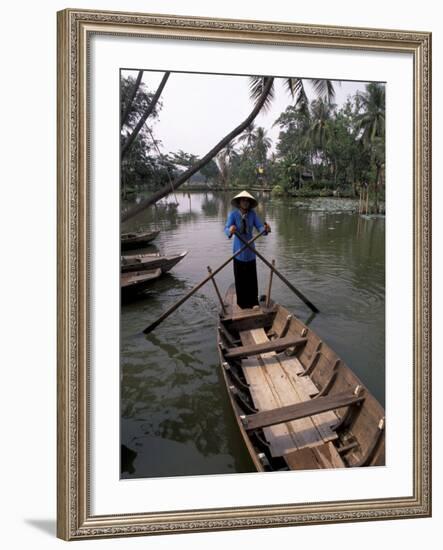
(168, 312)
(282, 277)
(216, 290)
(268, 295)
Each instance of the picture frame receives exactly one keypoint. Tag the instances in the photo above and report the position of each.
(76, 518)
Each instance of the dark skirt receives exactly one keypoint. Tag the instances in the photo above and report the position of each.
(246, 287)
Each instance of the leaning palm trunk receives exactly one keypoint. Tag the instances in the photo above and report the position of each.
(164, 191)
(131, 98)
(126, 146)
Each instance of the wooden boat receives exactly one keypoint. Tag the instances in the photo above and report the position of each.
(140, 262)
(137, 281)
(297, 404)
(137, 240)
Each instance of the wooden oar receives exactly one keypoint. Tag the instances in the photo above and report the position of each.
(282, 277)
(152, 326)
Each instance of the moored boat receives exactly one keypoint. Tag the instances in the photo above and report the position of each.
(297, 404)
(137, 240)
(141, 262)
(135, 282)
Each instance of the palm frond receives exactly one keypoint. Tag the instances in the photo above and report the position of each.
(297, 90)
(256, 88)
(292, 85)
(323, 88)
(248, 133)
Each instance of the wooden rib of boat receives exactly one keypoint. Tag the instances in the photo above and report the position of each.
(137, 240)
(137, 281)
(297, 404)
(140, 262)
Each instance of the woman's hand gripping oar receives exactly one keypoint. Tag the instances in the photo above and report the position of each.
(282, 277)
(155, 324)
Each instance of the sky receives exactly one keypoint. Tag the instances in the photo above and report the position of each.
(200, 109)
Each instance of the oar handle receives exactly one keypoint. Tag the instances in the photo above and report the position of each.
(264, 232)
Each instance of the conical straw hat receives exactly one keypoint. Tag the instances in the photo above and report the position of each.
(244, 194)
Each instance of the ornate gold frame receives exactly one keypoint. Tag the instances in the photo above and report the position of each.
(74, 29)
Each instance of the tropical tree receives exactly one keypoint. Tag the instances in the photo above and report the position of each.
(180, 180)
(262, 92)
(210, 171)
(224, 161)
(345, 144)
(224, 169)
(340, 148)
(127, 104)
(294, 123)
(139, 161)
(248, 136)
(371, 123)
(321, 114)
(371, 120)
(294, 147)
(147, 111)
(183, 159)
(261, 146)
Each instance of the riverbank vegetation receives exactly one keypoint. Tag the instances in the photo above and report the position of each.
(321, 149)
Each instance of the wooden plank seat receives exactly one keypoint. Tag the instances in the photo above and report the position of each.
(248, 319)
(237, 313)
(279, 344)
(289, 413)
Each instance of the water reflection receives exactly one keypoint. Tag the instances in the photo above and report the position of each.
(127, 457)
(311, 317)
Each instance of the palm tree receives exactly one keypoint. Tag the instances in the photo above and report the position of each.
(321, 115)
(150, 108)
(248, 136)
(129, 104)
(224, 163)
(224, 169)
(371, 121)
(320, 129)
(262, 145)
(184, 159)
(262, 92)
(371, 124)
(295, 141)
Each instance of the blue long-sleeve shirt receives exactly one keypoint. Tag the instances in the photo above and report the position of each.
(235, 218)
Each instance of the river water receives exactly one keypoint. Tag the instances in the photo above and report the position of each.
(175, 413)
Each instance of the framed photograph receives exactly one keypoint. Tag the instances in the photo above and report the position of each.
(244, 248)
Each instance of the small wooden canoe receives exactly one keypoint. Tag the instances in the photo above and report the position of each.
(137, 281)
(137, 240)
(140, 262)
(297, 404)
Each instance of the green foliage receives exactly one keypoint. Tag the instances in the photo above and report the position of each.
(210, 171)
(245, 172)
(324, 150)
(141, 166)
(321, 149)
(183, 159)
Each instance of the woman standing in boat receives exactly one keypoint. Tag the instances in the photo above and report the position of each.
(243, 220)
